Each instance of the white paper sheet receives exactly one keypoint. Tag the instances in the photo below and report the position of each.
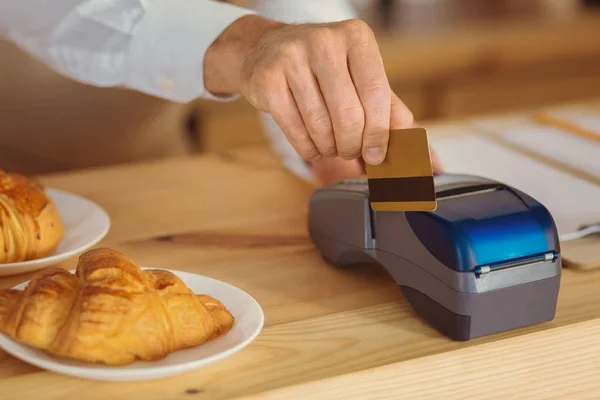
(572, 202)
(575, 151)
(591, 123)
(585, 119)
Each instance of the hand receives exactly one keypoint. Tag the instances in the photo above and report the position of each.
(330, 170)
(324, 84)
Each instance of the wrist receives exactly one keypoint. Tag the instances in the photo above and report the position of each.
(225, 57)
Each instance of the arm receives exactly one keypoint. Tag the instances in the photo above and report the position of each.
(155, 47)
(323, 84)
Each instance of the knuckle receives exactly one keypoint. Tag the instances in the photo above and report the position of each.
(376, 136)
(324, 42)
(320, 123)
(322, 35)
(321, 130)
(377, 92)
(309, 153)
(352, 119)
(329, 151)
(350, 152)
(296, 133)
(290, 49)
(358, 29)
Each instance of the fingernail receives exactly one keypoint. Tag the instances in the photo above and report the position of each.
(374, 155)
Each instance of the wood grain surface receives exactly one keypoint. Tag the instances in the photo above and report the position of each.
(561, 354)
(239, 217)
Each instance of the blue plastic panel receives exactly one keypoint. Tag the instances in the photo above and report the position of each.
(485, 228)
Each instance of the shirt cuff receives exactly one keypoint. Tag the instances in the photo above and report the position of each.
(166, 56)
(304, 11)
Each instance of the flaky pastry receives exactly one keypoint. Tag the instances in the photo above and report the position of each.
(30, 225)
(110, 311)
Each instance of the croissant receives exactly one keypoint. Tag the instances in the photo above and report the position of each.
(30, 226)
(110, 311)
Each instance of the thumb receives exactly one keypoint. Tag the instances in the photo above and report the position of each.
(400, 115)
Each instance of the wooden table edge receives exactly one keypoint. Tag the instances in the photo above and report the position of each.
(574, 345)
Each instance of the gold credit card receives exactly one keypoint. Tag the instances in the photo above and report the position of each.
(404, 180)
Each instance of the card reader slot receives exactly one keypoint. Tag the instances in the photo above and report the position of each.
(467, 191)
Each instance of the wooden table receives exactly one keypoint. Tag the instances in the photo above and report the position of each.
(329, 333)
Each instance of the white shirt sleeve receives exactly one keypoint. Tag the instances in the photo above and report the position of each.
(297, 11)
(155, 47)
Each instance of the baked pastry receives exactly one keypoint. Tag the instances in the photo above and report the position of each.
(30, 226)
(110, 311)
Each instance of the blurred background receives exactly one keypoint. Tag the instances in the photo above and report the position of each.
(446, 59)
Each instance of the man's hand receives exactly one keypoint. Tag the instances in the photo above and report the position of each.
(324, 84)
(330, 170)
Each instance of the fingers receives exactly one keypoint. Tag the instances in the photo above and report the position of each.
(314, 112)
(286, 114)
(329, 64)
(368, 74)
(400, 115)
(435, 162)
(325, 86)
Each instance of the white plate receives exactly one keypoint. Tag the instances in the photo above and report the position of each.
(249, 320)
(85, 223)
